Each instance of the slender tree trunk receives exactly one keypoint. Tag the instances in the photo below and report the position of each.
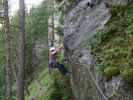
(8, 69)
(21, 52)
(53, 37)
(51, 30)
(51, 24)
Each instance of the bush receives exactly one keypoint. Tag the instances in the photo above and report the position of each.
(56, 93)
(120, 41)
(130, 62)
(129, 29)
(112, 47)
(111, 71)
(59, 31)
(127, 75)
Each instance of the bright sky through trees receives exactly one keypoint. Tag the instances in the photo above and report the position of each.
(29, 3)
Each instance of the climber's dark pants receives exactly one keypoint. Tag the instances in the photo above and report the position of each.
(62, 69)
(51, 66)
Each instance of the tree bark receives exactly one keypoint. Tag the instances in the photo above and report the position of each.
(21, 52)
(8, 68)
(53, 37)
(51, 24)
(51, 30)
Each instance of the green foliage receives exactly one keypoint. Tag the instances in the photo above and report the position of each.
(38, 20)
(130, 11)
(112, 47)
(59, 31)
(36, 28)
(121, 19)
(56, 93)
(56, 88)
(129, 29)
(111, 71)
(61, 89)
(66, 89)
(61, 20)
(127, 74)
(97, 39)
(130, 62)
(72, 2)
(120, 41)
(28, 67)
(130, 57)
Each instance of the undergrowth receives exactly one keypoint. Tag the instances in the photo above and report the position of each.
(113, 47)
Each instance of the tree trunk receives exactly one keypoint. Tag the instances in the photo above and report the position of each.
(8, 69)
(51, 30)
(53, 38)
(51, 24)
(21, 52)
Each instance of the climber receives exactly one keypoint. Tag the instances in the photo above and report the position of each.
(53, 63)
(52, 58)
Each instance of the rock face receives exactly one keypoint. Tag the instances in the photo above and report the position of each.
(82, 21)
(80, 24)
(116, 89)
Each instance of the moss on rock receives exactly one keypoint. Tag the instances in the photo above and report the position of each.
(111, 71)
(127, 75)
(113, 47)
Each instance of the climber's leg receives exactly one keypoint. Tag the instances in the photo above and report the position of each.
(51, 66)
(62, 69)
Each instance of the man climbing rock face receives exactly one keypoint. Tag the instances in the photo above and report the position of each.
(53, 63)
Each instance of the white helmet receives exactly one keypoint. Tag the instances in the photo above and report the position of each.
(52, 49)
